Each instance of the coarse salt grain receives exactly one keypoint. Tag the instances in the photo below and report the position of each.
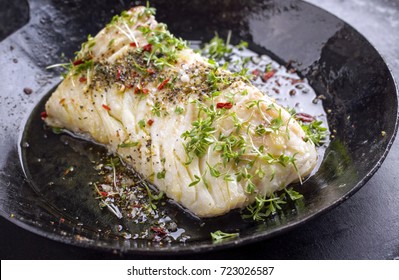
(185, 78)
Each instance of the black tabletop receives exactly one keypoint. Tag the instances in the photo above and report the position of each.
(364, 227)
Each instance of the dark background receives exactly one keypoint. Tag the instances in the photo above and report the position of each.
(364, 227)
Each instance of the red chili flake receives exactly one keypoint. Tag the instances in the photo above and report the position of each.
(256, 73)
(296, 81)
(147, 48)
(104, 194)
(150, 122)
(62, 220)
(150, 71)
(160, 233)
(162, 85)
(43, 115)
(82, 79)
(118, 74)
(106, 107)
(303, 117)
(133, 44)
(159, 230)
(224, 105)
(268, 75)
(77, 62)
(142, 90)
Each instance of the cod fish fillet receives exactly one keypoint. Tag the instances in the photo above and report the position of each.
(204, 136)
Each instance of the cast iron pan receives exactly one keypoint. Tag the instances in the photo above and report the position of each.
(339, 63)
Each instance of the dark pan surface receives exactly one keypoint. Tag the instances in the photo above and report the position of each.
(337, 60)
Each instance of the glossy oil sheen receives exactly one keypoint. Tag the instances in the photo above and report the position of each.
(338, 62)
(62, 169)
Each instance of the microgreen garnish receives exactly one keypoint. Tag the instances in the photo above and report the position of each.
(276, 123)
(215, 78)
(294, 195)
(141, 124)
(57, 130)
(265, 206)
(231, 147)
(268, 68)
(156, 109)
(128, 144)
(179, 110)
(260, 129)
(152, 197)
(201, 136)
(164, 46)
(148, 11)
(220, 235)
(161, 175)
(213, 170)
(217, 48)
(197, 179)
(117, 19)
(315, 132)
